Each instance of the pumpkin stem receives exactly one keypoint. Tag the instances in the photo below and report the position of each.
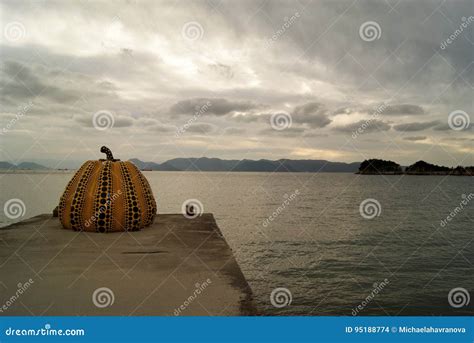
(107, 152)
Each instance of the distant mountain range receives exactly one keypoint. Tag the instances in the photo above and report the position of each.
(217, 164)
(22, 166)
(370, 167)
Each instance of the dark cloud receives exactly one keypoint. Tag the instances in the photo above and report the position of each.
(415, 138)
(416, 126)
(310, 108)
(371, 126)
(51, 88)
(403, 109)
(216, 106)
(313, 114)
(201, 128)
(314, 121)
(446, 127)
(20, 81)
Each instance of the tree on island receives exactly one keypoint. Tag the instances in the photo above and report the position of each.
(470, 170)
(376, 166)
(422, 167)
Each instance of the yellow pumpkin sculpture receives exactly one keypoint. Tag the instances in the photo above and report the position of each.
(107, 195)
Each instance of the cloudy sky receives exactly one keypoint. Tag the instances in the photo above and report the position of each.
(336, 80)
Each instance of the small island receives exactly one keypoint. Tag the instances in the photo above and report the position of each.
(376, 167)
(382, 167)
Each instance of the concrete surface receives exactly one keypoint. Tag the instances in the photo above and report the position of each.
(177, 266)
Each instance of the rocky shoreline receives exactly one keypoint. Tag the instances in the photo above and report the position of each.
(383, 167)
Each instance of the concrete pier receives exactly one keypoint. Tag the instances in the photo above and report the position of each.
(177, 266)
